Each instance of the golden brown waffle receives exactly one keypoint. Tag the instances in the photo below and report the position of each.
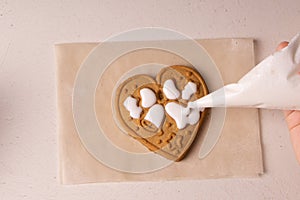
(168, 140)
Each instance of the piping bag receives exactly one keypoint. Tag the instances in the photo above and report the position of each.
(272, 84)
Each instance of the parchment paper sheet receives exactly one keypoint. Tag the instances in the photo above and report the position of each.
(237, 154)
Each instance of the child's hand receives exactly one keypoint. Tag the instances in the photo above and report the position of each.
(292, 118)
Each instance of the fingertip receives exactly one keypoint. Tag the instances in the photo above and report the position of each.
(282, 45)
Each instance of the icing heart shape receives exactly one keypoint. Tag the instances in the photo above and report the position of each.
(160, 119)
(182, 115)
(156, 115)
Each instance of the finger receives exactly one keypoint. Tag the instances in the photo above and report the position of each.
(282, 45)
(295, 138)
(292, 119)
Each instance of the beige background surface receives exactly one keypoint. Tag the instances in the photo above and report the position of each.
(28, 138)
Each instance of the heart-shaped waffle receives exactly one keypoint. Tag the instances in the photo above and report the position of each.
(154, 111)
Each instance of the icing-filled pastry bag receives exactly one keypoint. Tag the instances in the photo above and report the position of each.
(273, 84)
